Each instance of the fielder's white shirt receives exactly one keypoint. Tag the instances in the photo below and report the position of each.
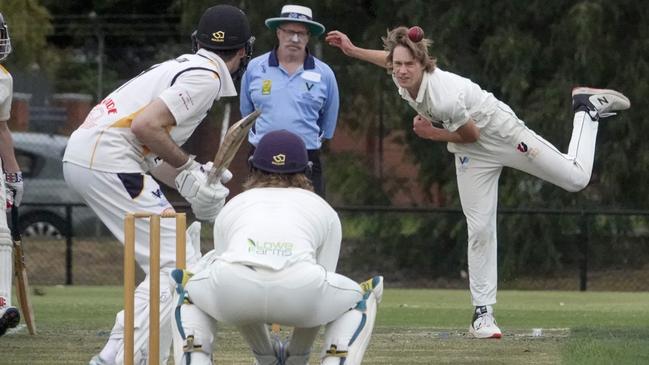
(6, 93)
(276, 227)
(188, 85)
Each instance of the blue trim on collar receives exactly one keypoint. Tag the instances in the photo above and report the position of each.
(273, 61)
(309, 61)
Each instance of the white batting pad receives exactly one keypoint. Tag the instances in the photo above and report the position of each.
(6, 265)
(348, 336)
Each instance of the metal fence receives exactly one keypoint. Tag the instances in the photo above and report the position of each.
(411, 247)
(557, 249)
(415, 247)
(47, 119)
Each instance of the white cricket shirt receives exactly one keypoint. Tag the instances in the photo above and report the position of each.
(6, 93)
(450, 99)
(188, 85)
(276, 227)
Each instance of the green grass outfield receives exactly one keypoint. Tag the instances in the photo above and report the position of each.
(414, 326)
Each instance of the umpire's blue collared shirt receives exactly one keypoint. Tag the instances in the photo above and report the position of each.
(305, 103)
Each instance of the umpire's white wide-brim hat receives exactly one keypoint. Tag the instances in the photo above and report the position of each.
(296, 14)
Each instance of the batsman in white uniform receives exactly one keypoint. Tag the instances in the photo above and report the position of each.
(485, 135)
(135, 132)
(11, 187)
(275, 256)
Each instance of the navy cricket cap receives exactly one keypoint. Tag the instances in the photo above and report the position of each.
(223, 27)
(280, 152)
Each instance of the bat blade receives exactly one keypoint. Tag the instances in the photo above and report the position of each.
(22, 288)
(231, 143)
(20, 272)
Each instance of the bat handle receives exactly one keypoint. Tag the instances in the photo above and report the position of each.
(14, 214)
(15, 229)
(211, 178)
(214, 176)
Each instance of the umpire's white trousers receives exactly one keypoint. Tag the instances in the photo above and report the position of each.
(111, 196)
(506, 141)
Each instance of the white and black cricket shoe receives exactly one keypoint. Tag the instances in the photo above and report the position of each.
(484, 324)
(598, 103)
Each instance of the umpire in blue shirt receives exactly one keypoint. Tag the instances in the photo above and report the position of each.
(293, 89)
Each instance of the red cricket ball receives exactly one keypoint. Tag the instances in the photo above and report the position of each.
(415, 34)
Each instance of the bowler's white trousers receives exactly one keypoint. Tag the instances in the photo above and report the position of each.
(111, 196)
(506, 141)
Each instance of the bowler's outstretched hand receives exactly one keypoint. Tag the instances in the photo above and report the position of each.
(340, 40)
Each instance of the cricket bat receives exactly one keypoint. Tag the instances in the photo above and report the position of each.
(231, 143)
(20, 272)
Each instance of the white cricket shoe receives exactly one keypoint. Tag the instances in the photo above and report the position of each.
(9, 318)
(96, 360)
(484, 324)
(599, 103)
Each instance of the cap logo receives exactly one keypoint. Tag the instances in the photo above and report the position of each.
(279, 160)
(218, 36)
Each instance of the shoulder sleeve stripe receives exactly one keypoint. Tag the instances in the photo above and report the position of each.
(173, 81)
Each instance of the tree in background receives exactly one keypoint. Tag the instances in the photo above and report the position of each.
(29, 25)
(529, 54)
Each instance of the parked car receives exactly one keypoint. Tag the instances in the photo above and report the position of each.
(43, 212)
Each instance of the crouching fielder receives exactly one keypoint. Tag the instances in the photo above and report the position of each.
(276, 250)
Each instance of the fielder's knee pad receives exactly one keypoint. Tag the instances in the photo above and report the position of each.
(196, 348)
(192, 343)
(193, 334)
(347, 338)
(197, 342)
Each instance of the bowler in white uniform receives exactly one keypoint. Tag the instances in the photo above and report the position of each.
(485, 135)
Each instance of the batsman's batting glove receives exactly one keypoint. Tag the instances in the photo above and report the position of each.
(14, 181)
(226, 176)
(191, 183)
(208, 201)
(191, 175)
